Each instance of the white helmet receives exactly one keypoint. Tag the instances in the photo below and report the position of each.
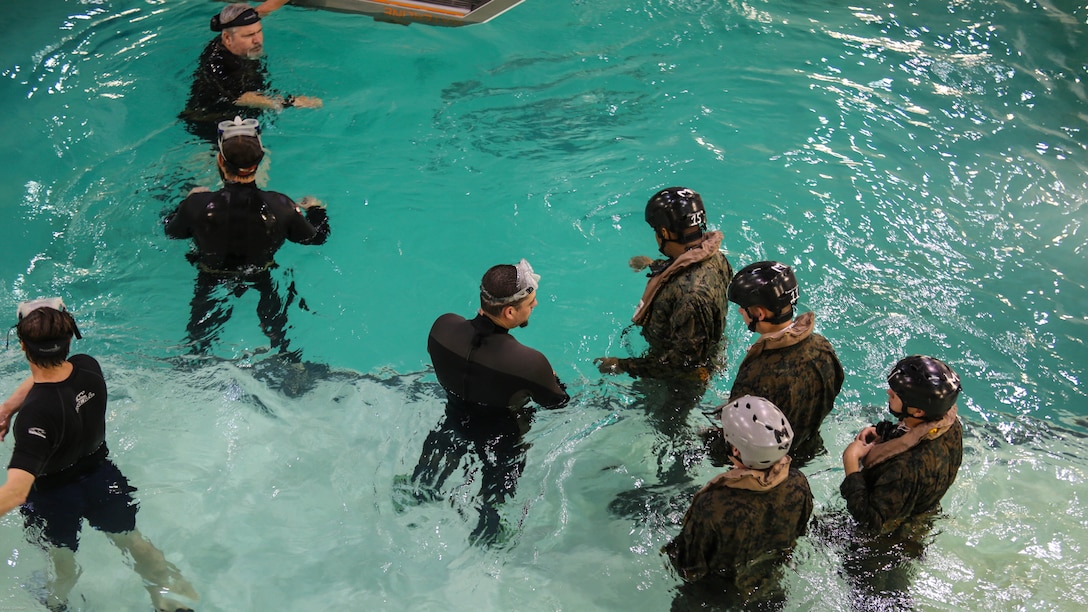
(758, 430)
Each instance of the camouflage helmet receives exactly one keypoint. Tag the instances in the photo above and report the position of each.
(925, 383)
(676, 209)
(769, 284)
(758, 430)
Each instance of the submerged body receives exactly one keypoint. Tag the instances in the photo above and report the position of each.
(236, 233)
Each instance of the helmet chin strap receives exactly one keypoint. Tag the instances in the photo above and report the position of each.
(662, 241)
(781, 317)
(683, 241)
(752, 320)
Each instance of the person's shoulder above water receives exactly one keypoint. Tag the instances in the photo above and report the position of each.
(450, 318)
(85, 362)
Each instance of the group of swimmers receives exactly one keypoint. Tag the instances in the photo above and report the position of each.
(740, 527)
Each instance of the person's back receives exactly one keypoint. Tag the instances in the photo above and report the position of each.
(240, 226)
(743, 524)
(789, 364)
(683, 307)
(909, 484)
(489, 379)
(60, 474)
(686, 325)
(61, 430)
(799, 372)
(236, 232)
(482, 364)
(731, 526)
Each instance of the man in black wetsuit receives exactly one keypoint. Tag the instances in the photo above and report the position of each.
(60, 471)
(489, 378)
(236, 232)
(231, 77)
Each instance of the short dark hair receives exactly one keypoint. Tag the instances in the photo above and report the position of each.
(240, 154)
(500, 282)
(47, 335)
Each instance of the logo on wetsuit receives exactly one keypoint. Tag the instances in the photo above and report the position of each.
(83, 398)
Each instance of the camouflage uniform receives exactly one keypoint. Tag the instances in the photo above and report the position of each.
(686, 323)
(736, 537)
(798, 371)
(905, 485)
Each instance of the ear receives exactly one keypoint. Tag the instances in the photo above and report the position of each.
(760, 313)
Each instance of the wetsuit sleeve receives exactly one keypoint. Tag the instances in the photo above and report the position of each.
(318, 218)
(543, 384)
(309, 227)
(539, 379)
(552, 393)
(178, 224)
(36, 437)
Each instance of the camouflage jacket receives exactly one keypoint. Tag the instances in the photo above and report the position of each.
(798, 371)
(686, 323)
(907, 484)
(728, 531)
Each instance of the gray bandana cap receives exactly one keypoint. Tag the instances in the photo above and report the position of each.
(527, 282)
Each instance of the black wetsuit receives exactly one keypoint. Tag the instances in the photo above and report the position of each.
(236, 232)
(489, 378)
(219, 80)
(60, 438)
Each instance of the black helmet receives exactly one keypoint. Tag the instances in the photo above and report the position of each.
(925, 383)
(676, 209)
(769, 284)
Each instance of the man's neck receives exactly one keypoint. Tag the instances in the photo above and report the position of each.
(765, 328)
(497, 321)
(51, 374)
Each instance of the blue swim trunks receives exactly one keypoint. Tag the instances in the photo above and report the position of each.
(103, 497)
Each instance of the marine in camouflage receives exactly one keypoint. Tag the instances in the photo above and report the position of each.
(733, 538)
(908, 484)
(798, 371)
(686, 326)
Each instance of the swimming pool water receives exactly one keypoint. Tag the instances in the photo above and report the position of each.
(921, 165)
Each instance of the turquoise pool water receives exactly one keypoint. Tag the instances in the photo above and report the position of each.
(923, 167)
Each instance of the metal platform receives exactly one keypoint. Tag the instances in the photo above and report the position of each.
(447, 13)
